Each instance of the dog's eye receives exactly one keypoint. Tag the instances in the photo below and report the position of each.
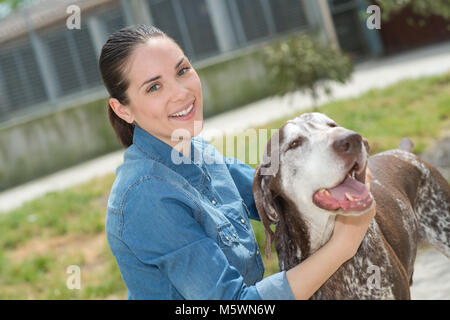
(332, 125)
(296, 143)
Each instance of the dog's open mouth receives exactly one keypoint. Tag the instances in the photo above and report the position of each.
(350, 195)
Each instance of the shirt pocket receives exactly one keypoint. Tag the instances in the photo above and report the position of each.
(227, 235)
(228, 240)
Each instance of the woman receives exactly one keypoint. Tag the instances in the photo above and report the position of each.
(180, 229)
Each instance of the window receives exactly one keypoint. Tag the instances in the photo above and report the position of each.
(199, 26)
(60, 54)
(250, 16)
(258, 19)
(87, 56)
(21, 82)
(113, 19)
(288, 14)
(165, 19)
(188, 23)
(12, 81)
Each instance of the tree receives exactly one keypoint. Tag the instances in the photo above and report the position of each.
(9, 6)
(420, 7)
(300, 63)
(12, 4)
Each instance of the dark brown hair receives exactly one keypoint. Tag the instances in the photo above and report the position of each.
(112, 63)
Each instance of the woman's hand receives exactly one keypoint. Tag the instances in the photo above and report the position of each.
(349, 231)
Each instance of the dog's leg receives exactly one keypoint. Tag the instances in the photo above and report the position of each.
(433, 208)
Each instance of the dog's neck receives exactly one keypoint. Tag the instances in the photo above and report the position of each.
(320, 228)
(316, 228)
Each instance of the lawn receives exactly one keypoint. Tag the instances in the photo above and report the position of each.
(40, 240)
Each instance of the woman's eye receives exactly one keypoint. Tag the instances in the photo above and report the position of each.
(183, 71)
(153, 88)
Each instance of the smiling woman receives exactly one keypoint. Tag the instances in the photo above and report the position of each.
(182, 230)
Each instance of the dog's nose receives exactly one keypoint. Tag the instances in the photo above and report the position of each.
(348, 144)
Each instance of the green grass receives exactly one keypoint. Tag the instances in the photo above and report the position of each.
(39, 240)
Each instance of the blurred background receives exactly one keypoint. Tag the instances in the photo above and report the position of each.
(58, 152)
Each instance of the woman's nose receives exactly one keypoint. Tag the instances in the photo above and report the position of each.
(179, 92)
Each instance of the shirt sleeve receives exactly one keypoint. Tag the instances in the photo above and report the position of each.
(164, 234)
(242, 175)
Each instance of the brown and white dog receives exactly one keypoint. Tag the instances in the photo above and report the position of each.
(321, 173)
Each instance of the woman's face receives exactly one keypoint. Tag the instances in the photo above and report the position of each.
(165, 92)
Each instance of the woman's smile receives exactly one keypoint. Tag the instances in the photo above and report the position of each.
(185, 113)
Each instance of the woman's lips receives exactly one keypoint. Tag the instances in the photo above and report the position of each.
(187, 116)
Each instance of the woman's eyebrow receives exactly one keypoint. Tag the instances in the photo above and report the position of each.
(179, 62)
(157, 77)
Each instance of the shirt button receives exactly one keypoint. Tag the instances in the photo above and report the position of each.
(242, 221)
(213, 202)
(257, 251)
(227, 238)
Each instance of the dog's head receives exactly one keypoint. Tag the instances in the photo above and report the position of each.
(320, 169)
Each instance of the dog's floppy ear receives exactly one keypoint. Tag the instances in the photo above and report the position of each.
(366, 145)
(264, 203)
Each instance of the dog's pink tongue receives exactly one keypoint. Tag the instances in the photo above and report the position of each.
(350, 196)
(350, 186)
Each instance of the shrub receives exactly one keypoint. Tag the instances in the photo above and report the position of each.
(300, 63)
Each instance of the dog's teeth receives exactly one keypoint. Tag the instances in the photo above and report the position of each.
(327, 193)
(349, 197)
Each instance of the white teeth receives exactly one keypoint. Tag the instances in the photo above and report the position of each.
(349, 197)
(184, 112)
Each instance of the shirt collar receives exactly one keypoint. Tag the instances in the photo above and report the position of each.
(160, 151)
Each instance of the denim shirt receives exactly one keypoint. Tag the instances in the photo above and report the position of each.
(182, 230)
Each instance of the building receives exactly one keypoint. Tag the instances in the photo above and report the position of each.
(44, 65)
(53, 103)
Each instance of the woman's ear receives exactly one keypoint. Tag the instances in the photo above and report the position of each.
(122, 111)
